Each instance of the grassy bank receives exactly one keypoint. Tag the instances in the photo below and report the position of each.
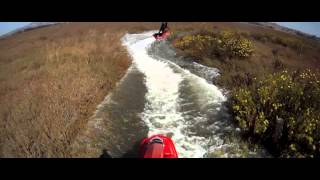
(52, 79)
(273, 80)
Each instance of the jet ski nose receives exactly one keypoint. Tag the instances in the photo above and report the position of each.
(158, 146)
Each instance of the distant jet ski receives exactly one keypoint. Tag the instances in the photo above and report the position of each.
(158, 146)
(163, 32)
(161, 36)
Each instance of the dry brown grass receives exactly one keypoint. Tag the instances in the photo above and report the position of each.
(52, 79)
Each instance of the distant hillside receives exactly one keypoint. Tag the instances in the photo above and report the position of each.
(28, 27)
(285, 29)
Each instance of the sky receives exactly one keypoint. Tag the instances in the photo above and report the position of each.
(308, 27)
(6, 27)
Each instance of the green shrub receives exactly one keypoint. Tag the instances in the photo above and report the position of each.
(283, 112)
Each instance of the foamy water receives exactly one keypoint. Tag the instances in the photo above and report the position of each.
(161, 113)
(181, 103)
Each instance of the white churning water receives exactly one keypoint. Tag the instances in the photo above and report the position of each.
(162, 111)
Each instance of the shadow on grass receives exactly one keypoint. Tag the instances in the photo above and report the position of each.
(131, 153)
(105, 154)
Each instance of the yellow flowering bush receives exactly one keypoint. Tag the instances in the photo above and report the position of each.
(282, 111)
(222, 45)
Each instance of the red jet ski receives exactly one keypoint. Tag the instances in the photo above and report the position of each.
(162, 36)
(158, 146)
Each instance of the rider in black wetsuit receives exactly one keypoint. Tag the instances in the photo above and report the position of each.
(164, 25)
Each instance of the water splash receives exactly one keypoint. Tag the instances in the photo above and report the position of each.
(181, 103)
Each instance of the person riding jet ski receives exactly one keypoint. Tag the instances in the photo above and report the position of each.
(163, 31)
(164, 26)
